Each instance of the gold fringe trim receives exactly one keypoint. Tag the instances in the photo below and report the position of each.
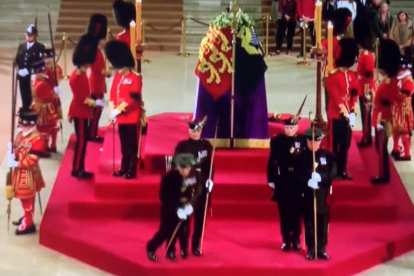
(241, 143)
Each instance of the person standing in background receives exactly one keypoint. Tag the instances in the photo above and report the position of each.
(402, 31)
(288, 12)
(306, 14)
(386, 20)
(328, 10)
(274, 12)
(24, 57)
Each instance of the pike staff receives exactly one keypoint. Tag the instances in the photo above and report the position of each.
(314, 191)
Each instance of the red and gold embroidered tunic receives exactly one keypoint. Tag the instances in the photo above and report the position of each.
(402, 112)
(44, 102)
(27, 178)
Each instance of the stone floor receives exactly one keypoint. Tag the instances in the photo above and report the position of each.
(169, 85)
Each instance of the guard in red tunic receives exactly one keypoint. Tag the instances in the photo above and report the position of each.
(44, 103)
(81, 107)
(125, 98)
(342, 17)
(48, 55)
(367, 87)
(27, 179)
(342, 86)
(124, 13)
(388, 64)
(402, 112)
(98, 28)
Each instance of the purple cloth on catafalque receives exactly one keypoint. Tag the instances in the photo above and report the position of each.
(250, 114)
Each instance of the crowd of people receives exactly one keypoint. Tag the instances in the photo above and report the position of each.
(289, 13)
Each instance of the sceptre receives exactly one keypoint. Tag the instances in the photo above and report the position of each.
(233, 73)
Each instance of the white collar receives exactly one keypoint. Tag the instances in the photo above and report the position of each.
(28, 132)
(29, 44)
(406, 73)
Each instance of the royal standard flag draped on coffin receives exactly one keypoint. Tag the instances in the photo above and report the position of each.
(214, 67)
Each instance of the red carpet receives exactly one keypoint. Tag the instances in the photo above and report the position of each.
(107, 222)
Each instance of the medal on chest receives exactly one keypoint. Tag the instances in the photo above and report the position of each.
(201, 155)
(322, 161)
(295, 148)
(127, 82)
(188, 182)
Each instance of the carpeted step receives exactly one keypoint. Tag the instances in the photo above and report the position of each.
(92, 208)
(228, 186)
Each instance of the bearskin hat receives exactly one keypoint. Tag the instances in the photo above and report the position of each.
(98, 24)
(85, 51)
(119, 54)
(347, 52)
(389, 57)
(124, 13)
(341, 19)
(365, 36)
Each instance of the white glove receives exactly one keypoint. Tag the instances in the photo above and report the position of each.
(23, 72)
(114, 113)
(368, 97)
(271, 185)
(380, 127)
(181, 214)
(352, 119)
(56, 89)
(316, 176)
(188, 209)
(9, 147)
(313, 184)
(11, 161)
(209, 185)
(100, 102)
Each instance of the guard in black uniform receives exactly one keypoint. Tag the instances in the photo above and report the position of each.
(179, 194)
(317, 169)
(282, 177)
(202, 151)
(26, 54)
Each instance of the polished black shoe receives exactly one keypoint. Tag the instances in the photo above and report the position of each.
(184, 254)
(403, 158)
(130, 176)
(379, 180)
(286, 246)
(18, 222)
(52, 150)
(26, 231)
(96, 139)
(296, 246)
(343, 176)
(323, 256)
(310, 256)
(151, 256)
(364, 145)
(197, 252)
(82, 174)
(45, 155)
(395, 154)
(171, 256)
(119, 173)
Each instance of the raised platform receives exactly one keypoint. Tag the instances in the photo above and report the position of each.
(107, 222)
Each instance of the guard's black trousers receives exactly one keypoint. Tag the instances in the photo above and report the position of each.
(310, 33)
(96, 115)
(25, 85)
(199, 214)
(283, 25)
(322, 223)
(290, 220)
(341, 142)
(128, 135)
(169, 222)
(366, 116)
(82, 136)
(381, 144)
